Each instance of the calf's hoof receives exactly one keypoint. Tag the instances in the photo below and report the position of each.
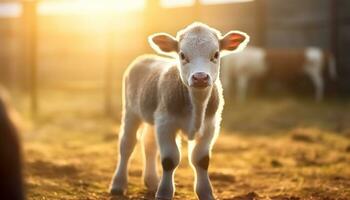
(162, 198)
(118, 185)
(117, 191)
(151, 183)
(164, 195)
(206, 197)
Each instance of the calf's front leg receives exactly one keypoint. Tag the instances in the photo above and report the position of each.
(200, 157)
(170, 158)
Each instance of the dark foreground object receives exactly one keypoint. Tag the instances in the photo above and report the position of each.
(11, 183)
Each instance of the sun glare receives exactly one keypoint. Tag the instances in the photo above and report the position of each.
(176, 3)
(98, 6)
(89, 6)
(186, 3)
(10, 10)
(223, 1)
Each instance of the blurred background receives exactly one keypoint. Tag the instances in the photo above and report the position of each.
(62, 62)
(51, 45)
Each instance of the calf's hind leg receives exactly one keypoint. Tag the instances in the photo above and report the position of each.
(149, 145)
(127, 141)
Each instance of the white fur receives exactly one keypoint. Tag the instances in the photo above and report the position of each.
(199, 43)
(313, 67)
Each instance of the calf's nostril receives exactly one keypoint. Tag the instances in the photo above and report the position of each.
(206, 78)
(200, 76)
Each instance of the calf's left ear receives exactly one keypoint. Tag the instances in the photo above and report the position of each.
(163, 43)
(234, 41)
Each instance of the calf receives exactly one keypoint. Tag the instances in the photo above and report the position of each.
(11, 185)
(170, 95)
(279, 64)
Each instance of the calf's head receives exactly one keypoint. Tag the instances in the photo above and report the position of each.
(198, 49)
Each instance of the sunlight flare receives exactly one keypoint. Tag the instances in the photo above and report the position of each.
(89, 7)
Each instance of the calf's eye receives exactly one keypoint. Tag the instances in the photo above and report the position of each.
(215, 57)
(183, 57)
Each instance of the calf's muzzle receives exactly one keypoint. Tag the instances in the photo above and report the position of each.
(200, 80)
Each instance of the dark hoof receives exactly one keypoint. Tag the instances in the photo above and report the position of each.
(160, 198)
(210, 197)
(117, 192)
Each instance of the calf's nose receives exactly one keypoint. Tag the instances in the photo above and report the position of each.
(200, 80)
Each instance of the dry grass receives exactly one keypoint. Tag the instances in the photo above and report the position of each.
(269, 149)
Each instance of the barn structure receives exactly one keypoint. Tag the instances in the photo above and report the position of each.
(52, 46)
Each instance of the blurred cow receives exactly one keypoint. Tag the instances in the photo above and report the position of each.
(11, 184)
(256, 62)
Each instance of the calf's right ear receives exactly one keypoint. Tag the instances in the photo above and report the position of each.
(163, 43)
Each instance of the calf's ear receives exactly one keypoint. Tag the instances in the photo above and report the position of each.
(233, 41)
(163, 43)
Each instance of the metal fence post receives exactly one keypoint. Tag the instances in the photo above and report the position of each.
(109, 65)
(29, 17)
(261, 22)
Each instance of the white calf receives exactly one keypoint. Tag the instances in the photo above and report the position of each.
(171, 95)
(255, 62)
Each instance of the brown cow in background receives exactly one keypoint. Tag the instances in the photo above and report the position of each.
(11, 182)
(280, 64)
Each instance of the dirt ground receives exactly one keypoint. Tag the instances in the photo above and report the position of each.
(280, 149)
